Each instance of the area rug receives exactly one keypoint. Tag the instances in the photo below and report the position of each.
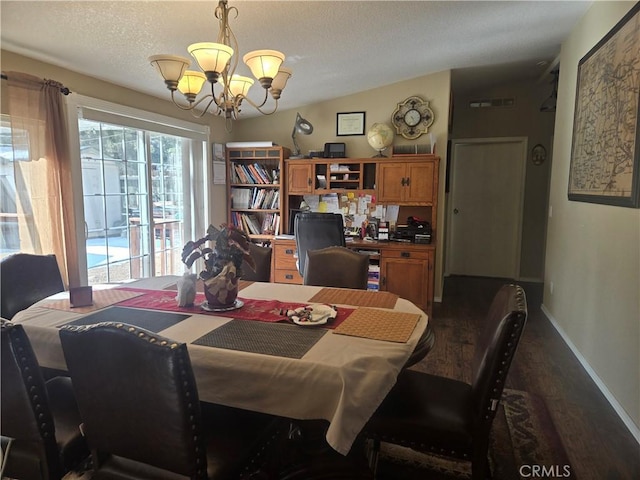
(523, 436)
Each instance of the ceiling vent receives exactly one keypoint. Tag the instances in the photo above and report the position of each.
(492, 102)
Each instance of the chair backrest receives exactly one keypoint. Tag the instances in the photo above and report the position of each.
(26, 279)
(317, 230)
(495, 349)
(137, 396)
(336, 267)
(262, 259)
(26, 416)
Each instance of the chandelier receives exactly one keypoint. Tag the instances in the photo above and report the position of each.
(218, 62)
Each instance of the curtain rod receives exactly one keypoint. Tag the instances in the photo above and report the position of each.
(63, 90)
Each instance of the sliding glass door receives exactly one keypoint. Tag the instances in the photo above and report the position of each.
(134, 205)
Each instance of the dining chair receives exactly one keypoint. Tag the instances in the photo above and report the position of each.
(26, 279)
(141, 411)
(336, 267)
(262, 259)
(317, 230)
(451, 418)
(40, 420)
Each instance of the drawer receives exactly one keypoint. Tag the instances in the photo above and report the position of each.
(285, 257)
(407, 254)
(287, 276)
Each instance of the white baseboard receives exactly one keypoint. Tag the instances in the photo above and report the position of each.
(626, 419)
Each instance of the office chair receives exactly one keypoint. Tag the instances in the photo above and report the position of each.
(336, 267)
(141, 411)
(448, 417)
(26, 279)
(41, 418)
(317, 230)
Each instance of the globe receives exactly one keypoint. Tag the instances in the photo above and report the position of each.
(380, 136)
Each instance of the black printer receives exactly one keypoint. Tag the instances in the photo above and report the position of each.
(415, 231)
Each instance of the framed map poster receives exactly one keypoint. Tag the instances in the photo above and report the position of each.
(606, 132)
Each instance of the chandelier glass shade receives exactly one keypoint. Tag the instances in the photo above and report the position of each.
(217, 62)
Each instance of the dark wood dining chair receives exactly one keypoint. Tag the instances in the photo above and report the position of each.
(142, 416)
(40, 419)
(314, 231)
(262, 259)
(448, 417)
(336, 267)
(26, 279)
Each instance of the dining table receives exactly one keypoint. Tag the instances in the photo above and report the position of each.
(253, 356)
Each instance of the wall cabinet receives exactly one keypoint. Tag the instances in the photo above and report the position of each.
(254, 190)
(409, 182)
(299, 178)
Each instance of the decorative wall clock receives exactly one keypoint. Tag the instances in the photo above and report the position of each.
(412, 118)
(538, 154)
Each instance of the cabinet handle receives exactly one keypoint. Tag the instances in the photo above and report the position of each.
(383, 281)
(308, 181)
(288, 251)
(405, 254)
(288, 276)
(408, 182)
(402, 182)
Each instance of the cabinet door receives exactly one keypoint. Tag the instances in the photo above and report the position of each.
(391, 182)
(299, 179)
(409, 275)
(420, 183)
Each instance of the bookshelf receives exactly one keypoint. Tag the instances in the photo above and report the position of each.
(254, 189)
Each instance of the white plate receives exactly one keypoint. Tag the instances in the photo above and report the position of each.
(320, 315)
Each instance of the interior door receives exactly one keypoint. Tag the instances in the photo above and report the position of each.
(485, 210)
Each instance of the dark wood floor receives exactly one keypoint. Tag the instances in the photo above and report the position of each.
(598, 444)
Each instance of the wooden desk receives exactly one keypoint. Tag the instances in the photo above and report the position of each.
(406, 269)
(341, 378)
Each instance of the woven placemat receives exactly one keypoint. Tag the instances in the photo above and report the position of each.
(151, 320)
(101, 299)
(360, 298)
(379, 325)
(291, 341)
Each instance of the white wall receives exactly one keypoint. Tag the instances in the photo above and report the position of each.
(593, 251)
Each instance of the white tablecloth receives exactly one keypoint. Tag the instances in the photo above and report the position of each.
(341, 379)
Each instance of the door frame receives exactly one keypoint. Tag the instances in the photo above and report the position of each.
(523, 141)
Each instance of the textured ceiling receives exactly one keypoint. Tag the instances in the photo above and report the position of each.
(334, 48)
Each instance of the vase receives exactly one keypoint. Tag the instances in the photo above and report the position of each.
(221, 291)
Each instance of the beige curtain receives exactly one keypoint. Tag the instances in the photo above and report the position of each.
(42, 170)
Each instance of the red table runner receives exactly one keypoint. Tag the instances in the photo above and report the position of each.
(253, 309)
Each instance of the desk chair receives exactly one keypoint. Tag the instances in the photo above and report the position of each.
(141, 411)
(336, 267)
(317, 230)
(448, 417)
(26, 279)
(40, 417)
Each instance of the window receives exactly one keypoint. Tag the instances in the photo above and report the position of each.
(140, 203)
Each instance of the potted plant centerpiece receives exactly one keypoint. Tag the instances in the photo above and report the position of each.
(222, 264)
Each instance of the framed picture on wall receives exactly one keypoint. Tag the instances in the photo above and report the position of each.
(606, 131)
(351, 123)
